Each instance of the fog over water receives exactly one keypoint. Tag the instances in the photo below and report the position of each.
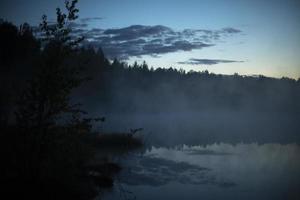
(216, 171)
(169, 129)
(198, 100)
(206, 136)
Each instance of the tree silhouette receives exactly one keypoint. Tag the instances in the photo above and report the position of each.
(56, 76)
(60, 31)
(48, 146)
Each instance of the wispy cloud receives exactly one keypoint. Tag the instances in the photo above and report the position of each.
(90, 19)
(139, 40)
(231, 30)
(195, 61)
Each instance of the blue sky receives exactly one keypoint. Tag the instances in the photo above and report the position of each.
(265, 41)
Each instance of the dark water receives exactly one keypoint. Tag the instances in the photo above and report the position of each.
(211, 155)
(216, 171)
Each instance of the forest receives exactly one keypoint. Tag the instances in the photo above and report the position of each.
(54, 90)
(119, 87)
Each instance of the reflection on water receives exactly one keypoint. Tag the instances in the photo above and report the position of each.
(218, 171)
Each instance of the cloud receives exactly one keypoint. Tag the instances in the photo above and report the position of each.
(183, 45)
(90, 19)
(231, 30)
(139, 40)
(83, 23)
(138, 31)
(75, 25)
(195, 61)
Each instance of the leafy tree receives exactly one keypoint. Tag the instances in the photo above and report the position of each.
(56, 75)
(49, 146)
(60, 31)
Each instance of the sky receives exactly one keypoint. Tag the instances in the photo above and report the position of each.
(247, 37)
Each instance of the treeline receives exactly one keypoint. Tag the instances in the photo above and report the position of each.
(119, 87)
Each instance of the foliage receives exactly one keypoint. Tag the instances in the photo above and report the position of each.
(47, 146)
(46, 142)
(45, 139)
(60, 31)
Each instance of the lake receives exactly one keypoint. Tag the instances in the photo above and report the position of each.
(215, 171)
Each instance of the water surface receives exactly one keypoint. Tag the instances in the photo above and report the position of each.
(217, 171)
